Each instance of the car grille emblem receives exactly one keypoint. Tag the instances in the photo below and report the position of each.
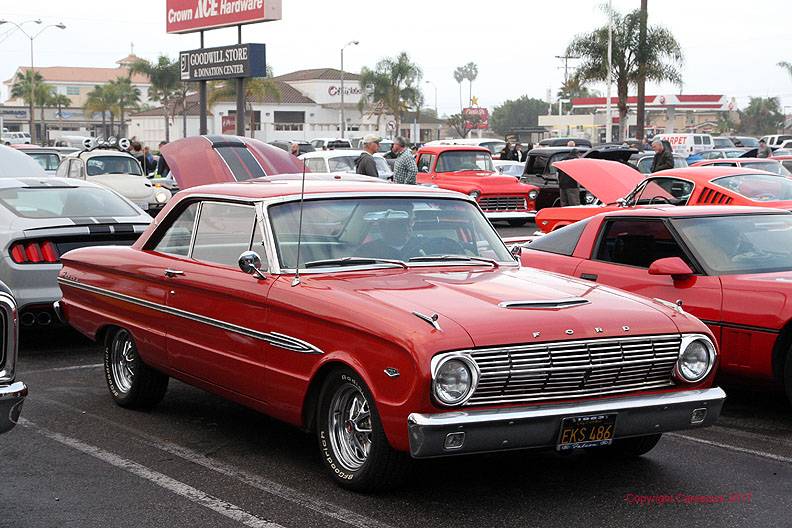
(626, 328)
(537, 334)
(569, 331)
(598, 330)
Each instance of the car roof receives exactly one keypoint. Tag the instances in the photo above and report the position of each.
(331, 153)
(252, 190)
(435, 149)
(674, 211)
(100, 152)
(48, 181)
(738, 160)
(706, 173)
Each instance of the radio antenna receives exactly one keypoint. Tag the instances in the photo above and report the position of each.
(296, 280)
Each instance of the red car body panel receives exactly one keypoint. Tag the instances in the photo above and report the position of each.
(489, 184)
(705, 193)
(195, 161)
(746, 313)
(361, 319)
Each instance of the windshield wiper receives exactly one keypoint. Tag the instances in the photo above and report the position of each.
(353, 261)
(464, 258)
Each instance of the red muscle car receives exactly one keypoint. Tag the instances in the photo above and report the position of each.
(618, 187)
(731, 267)
(469, 170)
(765, 164)
(410, 328)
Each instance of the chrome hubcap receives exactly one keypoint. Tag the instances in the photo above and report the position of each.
(350, 427)
(122, 357)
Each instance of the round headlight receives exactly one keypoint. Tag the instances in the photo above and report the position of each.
(696, 358)
(455, 378)
(533, 194)
(474, 194)
(161, 196)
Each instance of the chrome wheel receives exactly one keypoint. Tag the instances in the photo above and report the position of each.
(350, 427)
(122, 358)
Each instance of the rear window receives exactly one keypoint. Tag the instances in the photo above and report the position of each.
(47, 160)
(65, 202)
(561, 241)
(241, 162)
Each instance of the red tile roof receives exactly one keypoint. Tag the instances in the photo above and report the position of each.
(81, 74)
(321, 74)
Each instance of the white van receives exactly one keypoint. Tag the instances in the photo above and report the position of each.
(776, 140)
(494, 145)
(687, 144)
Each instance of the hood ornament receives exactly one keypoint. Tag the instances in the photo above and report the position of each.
(431, 319)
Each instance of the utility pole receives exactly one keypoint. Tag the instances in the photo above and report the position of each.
(566, 59)
(641, 110)
(608, 109)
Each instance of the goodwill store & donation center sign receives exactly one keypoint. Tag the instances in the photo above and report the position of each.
(225, 62)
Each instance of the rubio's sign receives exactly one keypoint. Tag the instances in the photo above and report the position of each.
(226, 62)
(185, 16)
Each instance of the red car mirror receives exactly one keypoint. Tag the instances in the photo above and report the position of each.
(674, 266)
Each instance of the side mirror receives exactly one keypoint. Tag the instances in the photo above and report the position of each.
(250, 263)
(516, 251)
(673, 266)
(425, 169)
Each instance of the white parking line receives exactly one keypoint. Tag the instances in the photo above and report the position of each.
(771, 456)
(305, 500)
(58, 369)
(179, 488)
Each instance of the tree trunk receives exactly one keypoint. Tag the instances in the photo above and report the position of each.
(623, 109)
(184, 118)
(460, 99)
(112, 125)
(104, 124)
(252, 122)
(32, 123)
(167, 122)
(121, 123)
(470, 92)
(43, 137)
(641, 108)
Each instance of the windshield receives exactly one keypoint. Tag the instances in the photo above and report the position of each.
(465, 160)
(383, 228)
(65, 202)
(112, 165)
(758, 187)
(720, 142)
(769, 166)
(749, 142)
(740, 243)
(493, 146)
(47, 160)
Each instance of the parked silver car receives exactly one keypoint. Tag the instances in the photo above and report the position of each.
(42, 218)
(12, 392)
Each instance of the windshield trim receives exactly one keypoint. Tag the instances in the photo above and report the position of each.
(271, 248)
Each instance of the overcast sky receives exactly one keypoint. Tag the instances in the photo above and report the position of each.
(730, 47)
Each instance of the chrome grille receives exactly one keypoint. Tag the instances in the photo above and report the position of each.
(572, 369)
(502, 203)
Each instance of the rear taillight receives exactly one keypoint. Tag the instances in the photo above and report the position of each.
(39, 252)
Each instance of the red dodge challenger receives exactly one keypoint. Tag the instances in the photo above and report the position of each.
(731, 267)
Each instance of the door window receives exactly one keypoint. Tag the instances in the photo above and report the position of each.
(425, 162)
(176, 240)
(637, 243)
(225, 230)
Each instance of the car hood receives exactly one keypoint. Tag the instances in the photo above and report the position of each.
(622, 155)
(473, 299)
(129, 186)
(197, 161)
(485, 182)
(607, 180)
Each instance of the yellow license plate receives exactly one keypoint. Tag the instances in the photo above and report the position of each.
(580, 432)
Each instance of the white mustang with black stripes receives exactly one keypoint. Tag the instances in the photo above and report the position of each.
(42, 218)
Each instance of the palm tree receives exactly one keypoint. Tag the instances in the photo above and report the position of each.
(183, 90)
(127, 97)
(471, 74)
(459, 76)
(761, 116)
(101, 99)
(164, 78)
(43, 95)
(394, 86)
(662, 59)
(786, 66)
(256, 89)
(24, 84)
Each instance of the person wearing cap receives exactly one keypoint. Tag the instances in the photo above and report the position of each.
(365, 162)
(764, 151)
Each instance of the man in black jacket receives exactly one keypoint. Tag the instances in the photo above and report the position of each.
(365, 163)
(663, 158)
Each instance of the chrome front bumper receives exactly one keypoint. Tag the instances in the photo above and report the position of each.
(11, 398)
(539, 426)
(508, 215)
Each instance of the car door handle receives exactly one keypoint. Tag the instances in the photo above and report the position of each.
(588, 276)
(173, 272)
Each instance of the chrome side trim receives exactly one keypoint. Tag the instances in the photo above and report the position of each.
(546, 304)
(273, 338)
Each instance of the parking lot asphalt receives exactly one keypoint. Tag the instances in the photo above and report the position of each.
(77, 459)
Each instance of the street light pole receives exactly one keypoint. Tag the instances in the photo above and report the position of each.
(59, 25)
(343, 118)
(437, 114)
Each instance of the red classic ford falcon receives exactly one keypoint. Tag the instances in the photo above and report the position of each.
(389, 320)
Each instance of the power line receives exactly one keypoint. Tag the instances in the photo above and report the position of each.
(566, 59)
